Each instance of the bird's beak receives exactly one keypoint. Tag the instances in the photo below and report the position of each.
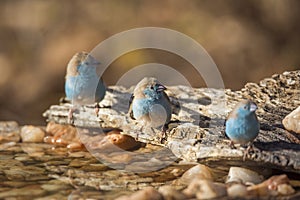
(253, 107)
(160, 88)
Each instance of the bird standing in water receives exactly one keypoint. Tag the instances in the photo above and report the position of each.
(242, 125)
(83, 85)
(150, 105)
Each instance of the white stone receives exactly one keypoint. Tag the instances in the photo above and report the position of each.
(200, 172)
(243, 175)
(292, 121)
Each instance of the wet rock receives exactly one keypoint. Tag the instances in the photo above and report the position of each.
(34, 149)
(285, 189)
(9, 132)
(292, 121)
(80, 162)
(170, 193)
(32, 134)
(122, 141)
(271, 187)
(29, 173)
(52, 197)
(7, 145)
(55, 185)
(64, 135)
(116, 157)
(243, 175)
(199, 172)
(295, 183)
(94, 167)
(112, 141)
(205, 189)
(8, 164)
(79, 154)
(74, 145)
(88, 193)
(23, 158)
(237, 190)
(273, 182)
(29, 191)
(13, 184)
(145, 194)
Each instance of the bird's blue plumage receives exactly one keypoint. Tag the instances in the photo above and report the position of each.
(83, 85)
(150, 103)
(242, 125)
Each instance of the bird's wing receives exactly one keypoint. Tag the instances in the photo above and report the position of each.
(130, 112)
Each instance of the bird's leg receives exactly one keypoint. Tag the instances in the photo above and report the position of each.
(137, 135)
(249, 148)
(163, 132)
(70, 115)
(152, 129)
(231, 144)
(97, 107)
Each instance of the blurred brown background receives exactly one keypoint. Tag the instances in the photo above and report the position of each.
(248, 40)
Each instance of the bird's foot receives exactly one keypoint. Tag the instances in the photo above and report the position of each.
(138, 133)
(163, 137)
(97, 108)
(231, 144)
(70, 116)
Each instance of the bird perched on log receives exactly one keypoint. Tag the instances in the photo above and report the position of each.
(242, 125)
(83, 85)
(150, 105)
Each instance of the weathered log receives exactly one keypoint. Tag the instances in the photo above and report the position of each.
(197, 130)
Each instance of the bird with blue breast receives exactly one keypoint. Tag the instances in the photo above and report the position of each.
(150, 105)
(242, 125)
(83, 85)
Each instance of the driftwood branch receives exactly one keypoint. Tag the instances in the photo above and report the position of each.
(196, 132)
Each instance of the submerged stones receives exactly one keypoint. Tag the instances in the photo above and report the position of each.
(76, 138)
(145, 194)
(9, 132)
(274, 186)
(237, 190)
(62, 135)
(111, 141)
(54, 171)
(205, 189)
(170, 193)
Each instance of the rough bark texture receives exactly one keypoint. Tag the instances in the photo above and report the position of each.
(197, 130)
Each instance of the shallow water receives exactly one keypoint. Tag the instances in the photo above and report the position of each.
(43, 171)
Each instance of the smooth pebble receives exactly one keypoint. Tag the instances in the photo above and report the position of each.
(32, 134)
(292, 121)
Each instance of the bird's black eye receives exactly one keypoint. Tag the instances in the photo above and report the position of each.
(245, 107)
(151, 87)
